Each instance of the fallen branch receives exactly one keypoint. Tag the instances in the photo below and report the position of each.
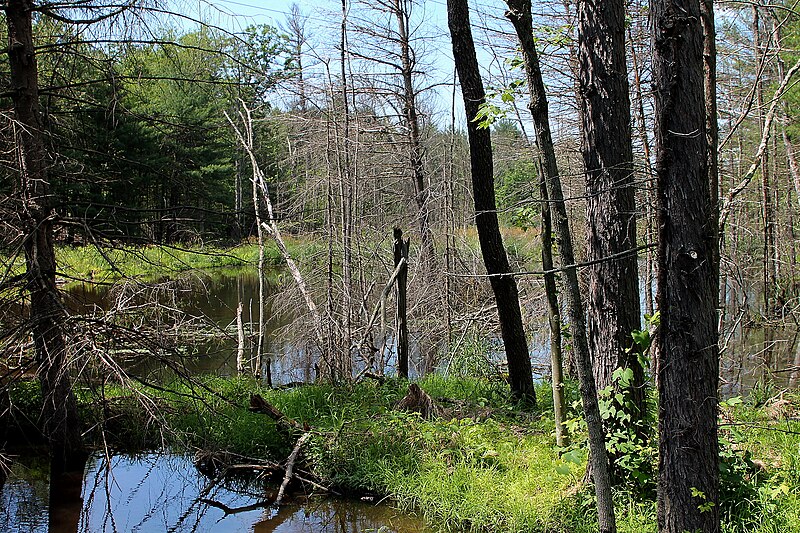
(377, 377)
(259, 405)
(234, 510)
(290, 466)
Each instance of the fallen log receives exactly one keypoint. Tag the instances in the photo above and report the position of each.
(259, 405)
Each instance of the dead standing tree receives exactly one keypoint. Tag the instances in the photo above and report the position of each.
(270, 225)
(36, 218)
(395, 46)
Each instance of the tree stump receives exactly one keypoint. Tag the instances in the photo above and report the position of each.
(418, 401)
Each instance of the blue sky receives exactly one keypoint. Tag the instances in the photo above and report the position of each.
(322, 29)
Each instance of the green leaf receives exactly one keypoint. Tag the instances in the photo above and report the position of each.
(572, 456)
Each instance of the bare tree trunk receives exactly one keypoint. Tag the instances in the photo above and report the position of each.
(494, 255)
(241, 363)
(400, 254)
(271, 225)
(61, 425)
(553, 317)
(688, 355)
(261, 275)
(613, 304)
(712, 139)
(421, 192)
(519, 13)
(342, 360)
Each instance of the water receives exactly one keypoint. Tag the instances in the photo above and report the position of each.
(751, 354)
(206, 305)
(202, 306)
(164, 493)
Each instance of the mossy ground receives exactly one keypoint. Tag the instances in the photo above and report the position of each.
(488, 464)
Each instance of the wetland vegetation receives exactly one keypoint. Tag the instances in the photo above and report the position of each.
(315, 274)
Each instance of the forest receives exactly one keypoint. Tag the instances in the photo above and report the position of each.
(400, 265)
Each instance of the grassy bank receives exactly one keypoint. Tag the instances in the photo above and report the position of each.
(485, 465)
(89, 262)
(99, 264)
(106, 263)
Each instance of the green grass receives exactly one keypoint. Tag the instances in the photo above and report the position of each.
(107, 263)
(486, 465)
(99, 264)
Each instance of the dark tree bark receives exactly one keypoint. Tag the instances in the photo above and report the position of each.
(60, 421)
(519, 13)
(494, 254)
(613, 303)
(608, 157)
(688, 366)
(401, 252)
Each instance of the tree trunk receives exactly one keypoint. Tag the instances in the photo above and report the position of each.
(553, 317)
(712, 138)
(400, 253)
(47, 314)
(421, 192)
(519, 12)
(613, 304)
(688, 365)
(341, 361)
(491, 241)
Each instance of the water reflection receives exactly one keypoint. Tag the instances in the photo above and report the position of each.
(753, 350)
(165, 493)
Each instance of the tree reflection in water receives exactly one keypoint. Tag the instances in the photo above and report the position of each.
(165, 493)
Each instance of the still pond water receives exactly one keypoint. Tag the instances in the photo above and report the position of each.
(162, 493)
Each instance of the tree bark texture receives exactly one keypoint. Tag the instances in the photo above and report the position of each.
(494, 255)
(613, 304)
(47, 315)
(401, 253)
(688, 365)
(519, 13)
